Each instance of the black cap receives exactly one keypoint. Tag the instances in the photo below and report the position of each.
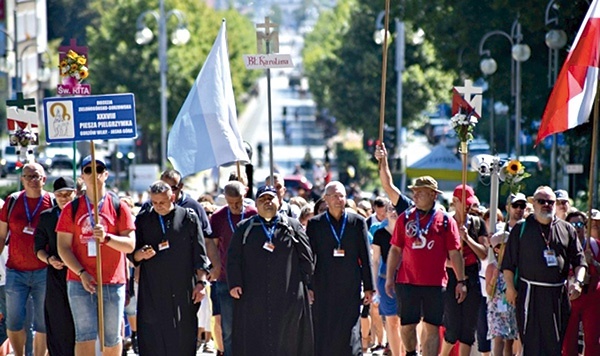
(266, 189)
(63, 183)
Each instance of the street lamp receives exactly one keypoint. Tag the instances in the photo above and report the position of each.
(378, 36)
(520, 53)
(555, 40)
(180, 37)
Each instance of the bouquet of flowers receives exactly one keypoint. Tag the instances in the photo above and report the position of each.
(22, 138)
(512, 174)
(464, 124)
(74, 66)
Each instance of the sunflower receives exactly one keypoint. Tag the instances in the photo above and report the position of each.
(514, 167)
(83, 73)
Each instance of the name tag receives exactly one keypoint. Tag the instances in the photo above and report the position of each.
(91, 247)
(28, 230)
(550, 257)
(163, 245)
(269, 246)
(338, 252)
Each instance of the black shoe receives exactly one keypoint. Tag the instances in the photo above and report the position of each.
(134, 345)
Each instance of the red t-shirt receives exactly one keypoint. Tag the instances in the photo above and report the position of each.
(21, 247)
(113, 261)
(222, 229)
(424, 261)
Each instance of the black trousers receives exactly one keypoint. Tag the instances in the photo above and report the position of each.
(460, 320)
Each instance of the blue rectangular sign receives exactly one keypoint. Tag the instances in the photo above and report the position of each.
(95, 117)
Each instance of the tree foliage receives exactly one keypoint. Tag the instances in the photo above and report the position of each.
(118, 64)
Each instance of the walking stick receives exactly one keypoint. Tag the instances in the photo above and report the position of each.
(384, 46)
(99, 291)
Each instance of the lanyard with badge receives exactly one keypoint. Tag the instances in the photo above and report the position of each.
(30, 230)
(338, 252)
(269, 246)
(91, 244)
(421, 240)
(231, 225)
(549, 254)
(164, 244)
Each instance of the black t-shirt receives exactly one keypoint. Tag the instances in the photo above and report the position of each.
(382, 239)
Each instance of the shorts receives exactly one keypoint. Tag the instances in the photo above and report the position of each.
(19, 286)
(205, 312)
(416, 301)
(387, 304)
(85, 312)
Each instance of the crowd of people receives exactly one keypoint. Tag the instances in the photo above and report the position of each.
(336, 276)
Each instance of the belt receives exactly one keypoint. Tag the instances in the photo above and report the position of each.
(528, 294)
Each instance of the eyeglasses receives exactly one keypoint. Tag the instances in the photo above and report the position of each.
(578, 224)
(519, 205)
(545, 202)
(32, 177)
(99, 169)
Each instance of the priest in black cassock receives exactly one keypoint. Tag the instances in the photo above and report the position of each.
(340, 242)
(269, 265)
(172, 258)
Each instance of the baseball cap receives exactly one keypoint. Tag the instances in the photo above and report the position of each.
(561, 194)
(426, 182)
(266, 189)
(499, 237)
(63, 183)
(469, 194)
(513, 198)
(88, 159)
(595, 214)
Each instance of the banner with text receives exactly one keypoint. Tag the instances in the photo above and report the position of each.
(97, 117)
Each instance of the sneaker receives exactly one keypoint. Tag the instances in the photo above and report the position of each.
(209, 347)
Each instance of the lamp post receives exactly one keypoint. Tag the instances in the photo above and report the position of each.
(180, 37)
(555, 40)
(378, 36)
(520, 53)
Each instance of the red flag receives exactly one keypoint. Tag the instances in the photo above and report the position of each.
(572, 97)
(459, 104)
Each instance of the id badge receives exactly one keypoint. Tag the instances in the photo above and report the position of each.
(269, 246)
(338, 252)
(550, 257)
(163, 245)
(91, 247)
(28, 230)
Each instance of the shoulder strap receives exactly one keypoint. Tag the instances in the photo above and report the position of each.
(251, 224)
(522, 228)
(12, 200)
(74, 207)
(116, 202)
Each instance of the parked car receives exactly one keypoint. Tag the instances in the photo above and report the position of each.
(9, 161)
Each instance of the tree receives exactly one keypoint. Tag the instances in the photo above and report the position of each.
(118, 64)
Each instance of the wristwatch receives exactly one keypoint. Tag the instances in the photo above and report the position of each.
(80, 272)
(579, 283)
(464, 284)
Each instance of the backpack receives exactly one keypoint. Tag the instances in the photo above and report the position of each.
(114, 198)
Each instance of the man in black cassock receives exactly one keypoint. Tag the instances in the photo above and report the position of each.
(539, 252)
(269, 265)
(60, 330)
(340, 242)
(172, 258)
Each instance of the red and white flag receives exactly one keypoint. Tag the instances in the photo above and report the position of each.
(572, 97)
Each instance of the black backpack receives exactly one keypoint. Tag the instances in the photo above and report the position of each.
(114, 198)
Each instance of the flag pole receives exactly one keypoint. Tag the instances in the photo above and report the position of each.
(99, 291)
(384, 47)
(593, 165)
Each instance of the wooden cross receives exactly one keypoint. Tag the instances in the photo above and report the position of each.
(22, 103)
(271, 38)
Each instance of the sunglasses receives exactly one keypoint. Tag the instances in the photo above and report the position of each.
(545, 202)
(174, 187)
(32, 177)
(578, 224)
(519, 205)
(99, 170)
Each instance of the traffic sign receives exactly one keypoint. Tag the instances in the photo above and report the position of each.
(574, 168)
(97, 117)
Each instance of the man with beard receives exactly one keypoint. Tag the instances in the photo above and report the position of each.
(539, 253)
(170, 252)
(269, 265)
(340, 242)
